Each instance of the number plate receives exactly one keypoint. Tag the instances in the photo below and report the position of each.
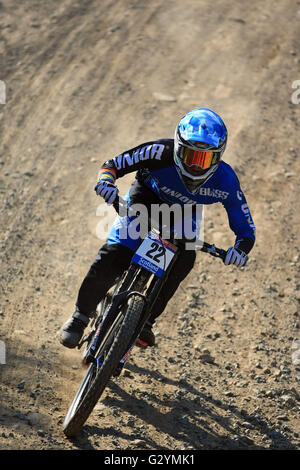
(154, 254)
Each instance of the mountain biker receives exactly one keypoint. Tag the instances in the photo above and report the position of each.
(187, 169)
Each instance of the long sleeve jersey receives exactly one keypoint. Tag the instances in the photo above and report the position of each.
(155, 168)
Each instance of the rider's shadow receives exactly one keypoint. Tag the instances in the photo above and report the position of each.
(173, 423)
(190, 420)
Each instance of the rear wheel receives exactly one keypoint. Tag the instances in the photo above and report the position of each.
(109, 354)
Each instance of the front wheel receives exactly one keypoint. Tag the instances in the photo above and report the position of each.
(109, 354)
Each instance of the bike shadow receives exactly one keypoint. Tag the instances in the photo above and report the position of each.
(192, 418)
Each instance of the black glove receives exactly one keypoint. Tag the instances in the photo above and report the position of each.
(107, 190)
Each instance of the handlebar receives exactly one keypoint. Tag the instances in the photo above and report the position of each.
(121, 206)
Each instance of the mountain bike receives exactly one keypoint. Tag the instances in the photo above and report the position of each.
(120, 318)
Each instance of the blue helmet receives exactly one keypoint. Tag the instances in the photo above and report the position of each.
(200, 141)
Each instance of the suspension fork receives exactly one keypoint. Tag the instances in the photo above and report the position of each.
(151, 296)
(158, 283)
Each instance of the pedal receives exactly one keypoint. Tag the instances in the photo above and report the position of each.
(84, 339)
(87, 360)
(141, 344)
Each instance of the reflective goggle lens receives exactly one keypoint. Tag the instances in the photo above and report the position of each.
(192, 157)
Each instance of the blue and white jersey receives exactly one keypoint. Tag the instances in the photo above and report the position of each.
(155, 167)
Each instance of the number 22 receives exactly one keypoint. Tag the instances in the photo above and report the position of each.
(156, 247)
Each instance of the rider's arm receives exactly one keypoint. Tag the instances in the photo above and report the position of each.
(153, 155)
(239, 217)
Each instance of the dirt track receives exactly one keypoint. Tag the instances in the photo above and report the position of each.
(85, 81)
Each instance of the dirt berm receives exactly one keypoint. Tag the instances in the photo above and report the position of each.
(86, 80)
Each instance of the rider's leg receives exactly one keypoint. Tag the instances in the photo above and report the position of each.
(112, 260)
(182, 266)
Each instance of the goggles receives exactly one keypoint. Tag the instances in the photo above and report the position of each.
(192, 157)
(197, 160)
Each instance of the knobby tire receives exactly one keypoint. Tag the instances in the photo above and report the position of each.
(87, 395)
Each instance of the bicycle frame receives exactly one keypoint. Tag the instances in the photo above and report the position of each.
(135, 278)
(133, 283)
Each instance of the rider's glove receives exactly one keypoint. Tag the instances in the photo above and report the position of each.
(235, 256)
(107, 190)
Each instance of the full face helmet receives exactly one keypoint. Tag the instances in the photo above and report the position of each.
(200, 141)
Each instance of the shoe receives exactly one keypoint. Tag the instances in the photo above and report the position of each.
(147, 336)
(72, 331)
